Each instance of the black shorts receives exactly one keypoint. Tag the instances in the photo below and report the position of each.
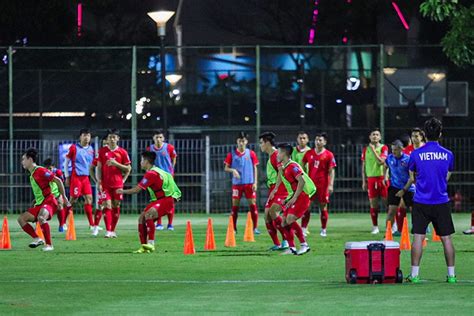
(438, 214)
(395, 200)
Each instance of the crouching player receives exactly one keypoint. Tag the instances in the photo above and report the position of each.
(300, 189)
(45, 204)
(163, 190)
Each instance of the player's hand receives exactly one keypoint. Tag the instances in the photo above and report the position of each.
(101, 189)
(68, 181)
(254, 187)
(68, 203)
(400, 193)
(111, 162)
(364, 186)
(330, 189)
(385, 182)
(119, 191)
(290, 202)
(236, 174)
(371, 146)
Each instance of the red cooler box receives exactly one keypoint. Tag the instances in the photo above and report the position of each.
(373, 262)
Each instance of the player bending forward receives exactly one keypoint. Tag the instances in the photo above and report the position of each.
(300, 189)
(163, 190)
(45, 203)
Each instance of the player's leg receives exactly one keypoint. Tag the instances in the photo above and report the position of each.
(305, 222)
(374, 214)
(62, 211)
(170, 216)
(444, 227)
(324, 217)
(108, 214)
(272, 231)
(44, 216)
(237, 192)
(254, 214)
(470, 231)
(275, 210)
(400, 214)
(293, 228)
(86, 191)
(420, 221)
(23, 220)
(142, 233)
(115, 215)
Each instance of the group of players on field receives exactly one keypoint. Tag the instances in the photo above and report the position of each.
(295, 176)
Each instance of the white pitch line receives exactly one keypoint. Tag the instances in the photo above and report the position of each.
(162, 281)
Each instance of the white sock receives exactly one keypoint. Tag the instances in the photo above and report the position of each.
(304, 244)
(451, 271)
(151, 242)
(415, 270)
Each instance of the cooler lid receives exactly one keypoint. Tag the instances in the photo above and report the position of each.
(364, 244)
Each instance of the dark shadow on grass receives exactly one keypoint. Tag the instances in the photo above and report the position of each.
(93, 252)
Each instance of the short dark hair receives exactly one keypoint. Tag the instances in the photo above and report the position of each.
(84, 131)
(397, 143)
(113, 131)
(268, 137)
(149, 156)
(31, 153)
(104, 137)
(301, 133)
(419, 130)
(405, 140)
(242, 135)
(322, 134)
(286, 147)
(158, 132)
(433, 128)
(374, 129)
(48, 162)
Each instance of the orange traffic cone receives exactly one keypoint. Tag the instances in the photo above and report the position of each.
(5, 242)
(210, 241)
(425, 243)
(189, 240)
(230, 236)
(71, 228)
(405, 243)
(248, 234)
(388, 231)
(38, 230)
(435, 237)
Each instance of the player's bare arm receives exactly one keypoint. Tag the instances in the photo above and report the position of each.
(60, 185)
(332, 177)
(410, 181)
(364, 179)
(255, 172)
(66, 171)
(134, 190)
(380, 160)
(234, 172)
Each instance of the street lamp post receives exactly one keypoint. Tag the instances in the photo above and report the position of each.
(160, 18)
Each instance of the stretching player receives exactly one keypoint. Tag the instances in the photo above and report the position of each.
(373, 159)
(274, 204)
(61, 209)
(242, 163)
(319, 163)
(81, 156)
(300, 189)
(396, 172)
(44, 204)
(165, 160)
(163, 190)
(113, 168)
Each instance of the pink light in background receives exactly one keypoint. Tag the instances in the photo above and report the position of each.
(79, 19)
(400, 15)
(312, 29)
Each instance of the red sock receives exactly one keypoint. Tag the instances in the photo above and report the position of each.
(158, 221)
(170, 217)
(472, 219)
(88, 211)
(324, 218)
(235, 214)
(61, 214)
(142, 233)
(374, 214)
(29, 230)
(108, 219)
(278, 224)
(273, 233)
(115, 217)
(290, 237)
(305, 219)
(46, 233)
(98, 217)
(254, 214)
(298, 232)
(66, 213)
(401, 213)
(150, 223)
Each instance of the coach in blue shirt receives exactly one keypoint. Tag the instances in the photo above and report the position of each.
(430, 168)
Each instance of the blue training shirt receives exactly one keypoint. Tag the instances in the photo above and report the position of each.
(431, 163)
(399, 174)
(244, 165)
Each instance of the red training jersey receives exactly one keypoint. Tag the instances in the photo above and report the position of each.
(319, 164)
(112, 176)
(291, 172)
(276, 165)
(43, 177)
(152, 180)
(409, 149)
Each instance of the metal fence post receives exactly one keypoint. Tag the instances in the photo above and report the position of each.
(10, 127)
(381, 92)
(133, 99)
(208, 173)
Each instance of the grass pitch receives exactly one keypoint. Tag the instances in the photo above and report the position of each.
(102, 277)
